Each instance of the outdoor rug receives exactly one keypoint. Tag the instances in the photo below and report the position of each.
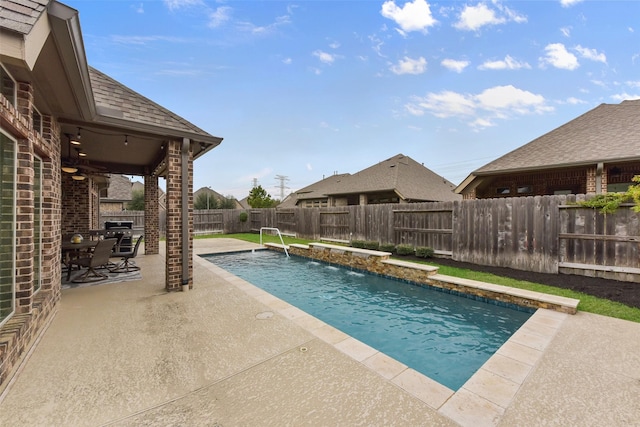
(113, 278)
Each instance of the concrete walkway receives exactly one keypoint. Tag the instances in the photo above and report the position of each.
(223, 354)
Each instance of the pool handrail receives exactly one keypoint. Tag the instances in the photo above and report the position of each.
(279, 235)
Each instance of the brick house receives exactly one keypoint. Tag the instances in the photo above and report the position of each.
(399, 179)
(50, 98)
(115, 196)
(598, 152)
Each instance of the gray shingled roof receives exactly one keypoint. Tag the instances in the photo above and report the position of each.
(400, 173)
(609, 132)
(21, 15)
(114, 99)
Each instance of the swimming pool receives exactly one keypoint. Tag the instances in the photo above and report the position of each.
(443, 336)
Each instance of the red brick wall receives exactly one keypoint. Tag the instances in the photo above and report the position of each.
(33, 309)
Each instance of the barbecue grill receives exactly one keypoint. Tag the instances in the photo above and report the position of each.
(117, 229)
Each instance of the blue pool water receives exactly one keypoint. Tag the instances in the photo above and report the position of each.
(443, 336)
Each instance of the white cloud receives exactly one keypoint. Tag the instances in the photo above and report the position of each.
(472, 18)
(574, 101)
(496, 103)
(633, 83)
(264, 29)
(410, 66)
(219, 16)
(455, 65)
(624, 97)
(139, 8)
(569, 3)
(309, 168)
(591, 54)
(566, 31)
(287, 61)
(508, 63)
(325, 57)
(178, 4)
(413, 16)
(510, 98)
(558, 56)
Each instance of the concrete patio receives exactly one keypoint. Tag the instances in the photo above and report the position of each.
(227, 354)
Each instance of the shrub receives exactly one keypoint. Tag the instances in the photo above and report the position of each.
(424, 252)
(358, 244)
(371, 245)
(388, 247)
(405, 250)
(244, 216)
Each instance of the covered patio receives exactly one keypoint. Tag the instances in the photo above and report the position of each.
(227, 354)
(65, 128)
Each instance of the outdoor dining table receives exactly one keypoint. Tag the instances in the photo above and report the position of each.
(70, 249)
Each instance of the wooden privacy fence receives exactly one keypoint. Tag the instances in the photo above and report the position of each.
(547, 234)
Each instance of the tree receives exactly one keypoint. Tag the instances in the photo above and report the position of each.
(137, 201)
(258, 198)
(206, 201)
(610, 202)
(228, 202)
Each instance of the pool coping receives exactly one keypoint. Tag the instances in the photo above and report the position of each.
(377, 262)
(482, 400)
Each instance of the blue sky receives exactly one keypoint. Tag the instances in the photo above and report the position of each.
(304, 89)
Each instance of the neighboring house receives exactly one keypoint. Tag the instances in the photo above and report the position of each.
(50, 98)
(213, 195)
(115, 197)
(598, 152)
(399, 179)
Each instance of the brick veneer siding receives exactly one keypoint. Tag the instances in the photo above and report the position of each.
(34, 308)
(174, 216)
(541, 183)
(151, 215)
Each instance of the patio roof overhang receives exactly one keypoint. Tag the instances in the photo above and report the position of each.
(51, 56)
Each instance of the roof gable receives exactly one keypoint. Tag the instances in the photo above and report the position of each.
(410, 179)
(113, 99)
(21, 16)
(609, 132)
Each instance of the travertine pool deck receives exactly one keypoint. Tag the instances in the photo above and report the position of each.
(228, 354)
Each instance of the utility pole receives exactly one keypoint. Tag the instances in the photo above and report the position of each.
(282, 186)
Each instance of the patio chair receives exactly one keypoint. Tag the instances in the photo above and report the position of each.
(126, 264)
(92, 261)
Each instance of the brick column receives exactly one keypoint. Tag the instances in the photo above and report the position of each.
(151, 215)
(175, 204)
(591, 180)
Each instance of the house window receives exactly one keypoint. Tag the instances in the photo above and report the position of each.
(618, 188)
(7, 227)
(503, 190)
(8, 86)
(37, 120)
(525, 189)
(37, 223)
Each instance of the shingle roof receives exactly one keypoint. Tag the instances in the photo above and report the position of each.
(410, 179)
(21, 15)
(609, 132)
(114, 99)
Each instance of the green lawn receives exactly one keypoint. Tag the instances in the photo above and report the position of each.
(588, 303)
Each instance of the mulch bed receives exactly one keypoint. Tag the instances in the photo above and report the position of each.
(627, 293)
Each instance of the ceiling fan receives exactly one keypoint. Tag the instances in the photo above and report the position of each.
(75, 165)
